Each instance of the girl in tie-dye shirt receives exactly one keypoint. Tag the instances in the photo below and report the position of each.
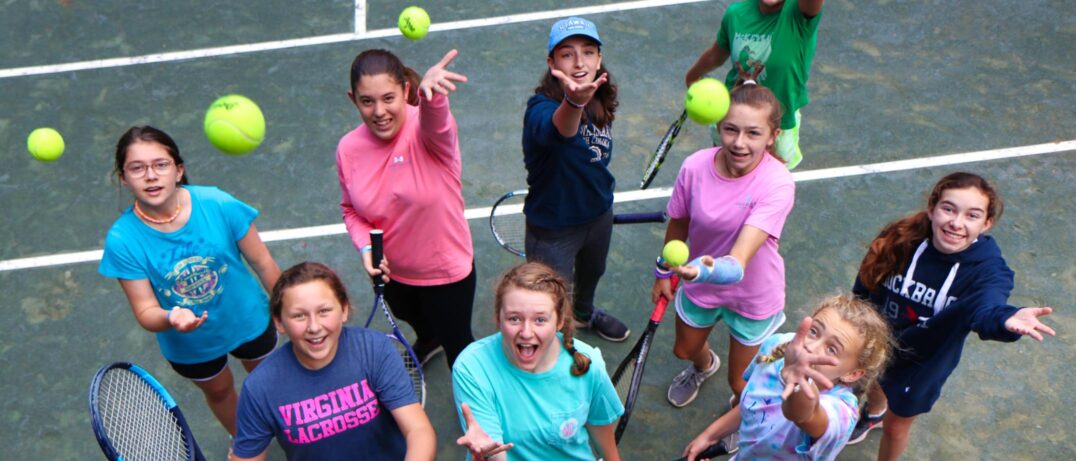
(801, 401)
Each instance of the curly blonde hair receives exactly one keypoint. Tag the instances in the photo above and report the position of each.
(878, 342)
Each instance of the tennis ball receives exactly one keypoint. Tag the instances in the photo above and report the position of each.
(675, 253)
(706, 101)
(45, 144)
(414, 22)
(234, 124)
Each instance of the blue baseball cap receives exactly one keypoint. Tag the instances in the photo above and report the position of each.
(571, 26)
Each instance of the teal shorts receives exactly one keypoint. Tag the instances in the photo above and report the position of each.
(787, 144)
(749, 332)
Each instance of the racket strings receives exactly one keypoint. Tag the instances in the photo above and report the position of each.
(623, 385)
(136, 420)
(412, 368)
(508, 223)
(510, 229)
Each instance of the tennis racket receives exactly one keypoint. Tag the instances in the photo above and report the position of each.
(629, 374)
(658, 157)
(134, 417)
(509, 225)
(411, 362)
(716, 449)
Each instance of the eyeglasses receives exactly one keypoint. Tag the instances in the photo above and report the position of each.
(139, 169)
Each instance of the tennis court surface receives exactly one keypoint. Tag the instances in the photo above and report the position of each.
(897, 89)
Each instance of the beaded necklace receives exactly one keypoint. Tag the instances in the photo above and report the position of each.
(141, 214)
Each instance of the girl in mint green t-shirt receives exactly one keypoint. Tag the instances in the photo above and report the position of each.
(530, 391)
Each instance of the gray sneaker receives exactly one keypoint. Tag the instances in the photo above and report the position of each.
(685, 386)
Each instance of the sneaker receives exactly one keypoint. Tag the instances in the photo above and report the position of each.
(685, 386)
(426, 350)
(731, 442)
(864, 425)
(605, 325)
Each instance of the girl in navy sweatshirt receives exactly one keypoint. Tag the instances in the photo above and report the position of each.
(937, 277)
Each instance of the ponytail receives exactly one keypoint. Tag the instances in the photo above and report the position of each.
(892, 248)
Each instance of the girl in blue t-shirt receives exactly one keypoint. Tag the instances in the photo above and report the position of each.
(531, 387)
(333, 392)
(180, 254)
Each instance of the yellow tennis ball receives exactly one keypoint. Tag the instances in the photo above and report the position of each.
(414, 22)
(45, 144)
(675, 253)
(234, 124)
(707, 101)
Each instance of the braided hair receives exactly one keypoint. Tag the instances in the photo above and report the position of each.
(538, 277)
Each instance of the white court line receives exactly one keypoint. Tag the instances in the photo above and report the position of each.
(628, 196)
(360, 17)
(359, 33)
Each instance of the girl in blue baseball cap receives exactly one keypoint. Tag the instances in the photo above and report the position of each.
(567, 146)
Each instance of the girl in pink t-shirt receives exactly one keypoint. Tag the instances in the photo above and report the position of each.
(729, 203)
(400, 172)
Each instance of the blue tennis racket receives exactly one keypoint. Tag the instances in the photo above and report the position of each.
(134, 417)
(410, 359)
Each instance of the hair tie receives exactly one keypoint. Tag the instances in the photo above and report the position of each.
(571, 350)
(750, 81)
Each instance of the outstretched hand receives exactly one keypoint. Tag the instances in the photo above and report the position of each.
(579, 93)
(690, 272)
(477, 441)
(1026, 322)
(439, 79)
(184, 320)
(799, 365)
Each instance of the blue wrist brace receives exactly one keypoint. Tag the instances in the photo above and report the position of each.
(725, 271)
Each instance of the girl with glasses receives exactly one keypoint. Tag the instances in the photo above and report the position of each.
(180, 253)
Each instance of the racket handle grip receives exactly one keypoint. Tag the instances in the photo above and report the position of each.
(638, 218)
(716, 449)
(377, 249)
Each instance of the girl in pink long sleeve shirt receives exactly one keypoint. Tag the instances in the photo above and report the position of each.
(400, 172)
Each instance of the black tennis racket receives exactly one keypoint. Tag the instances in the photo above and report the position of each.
(509, 225)
(716, 449)
(134, 417)
(658, 157)
(629, 374)
(411, 362)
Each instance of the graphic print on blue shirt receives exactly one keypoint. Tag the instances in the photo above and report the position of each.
(194, 280)
(599, 141)
(329, 414)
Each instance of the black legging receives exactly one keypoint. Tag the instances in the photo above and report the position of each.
(437, 313)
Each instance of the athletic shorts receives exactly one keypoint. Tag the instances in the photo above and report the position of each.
(749, 332)
(255, 349)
